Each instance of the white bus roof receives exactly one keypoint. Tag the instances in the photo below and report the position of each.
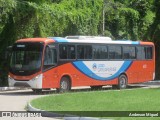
(92, 39)
(88, 38)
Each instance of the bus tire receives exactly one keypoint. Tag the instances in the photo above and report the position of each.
(65, 85)
(122, 82)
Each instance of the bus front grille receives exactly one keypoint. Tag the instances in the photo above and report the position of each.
(19, 84)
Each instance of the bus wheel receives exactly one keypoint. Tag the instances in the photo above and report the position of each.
(96, 87)
(65, 85)
(122, 82)
(37, 90)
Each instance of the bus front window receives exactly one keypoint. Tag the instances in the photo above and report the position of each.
(26, 58)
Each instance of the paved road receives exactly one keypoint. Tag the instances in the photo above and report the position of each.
(17, 100)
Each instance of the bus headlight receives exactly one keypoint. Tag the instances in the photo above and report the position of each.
(154, 75)
(9, 77)
(10, 81)
(36, 78)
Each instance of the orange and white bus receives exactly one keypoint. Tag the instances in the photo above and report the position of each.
(62, 63)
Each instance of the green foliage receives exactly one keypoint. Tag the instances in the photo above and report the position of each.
(130, 16)
(42, 18)
(6, 7)
(121, 20)
(32, 19)
(129, 19)
(134, 19)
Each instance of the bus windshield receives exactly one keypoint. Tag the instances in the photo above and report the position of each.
(26, 58)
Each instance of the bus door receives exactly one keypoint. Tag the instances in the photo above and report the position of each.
(50, 62)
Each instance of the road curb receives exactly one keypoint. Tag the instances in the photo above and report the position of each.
(30, 108)
(10, 88)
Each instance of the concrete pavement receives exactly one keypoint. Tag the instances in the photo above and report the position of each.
(17, 101)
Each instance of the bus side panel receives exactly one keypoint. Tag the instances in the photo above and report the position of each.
(78, 78)
(147, 71)
(141, 71)
(50, 78)
(138, 71)
(81, 78)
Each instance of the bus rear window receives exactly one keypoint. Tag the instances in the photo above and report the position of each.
(149, 52)
(144, 52)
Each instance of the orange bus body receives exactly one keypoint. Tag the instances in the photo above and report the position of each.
(137, 71)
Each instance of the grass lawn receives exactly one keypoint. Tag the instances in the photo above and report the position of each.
(109, 100)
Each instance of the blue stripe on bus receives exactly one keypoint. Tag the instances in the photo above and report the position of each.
(85, 70)
(58, 39)
(135, 42)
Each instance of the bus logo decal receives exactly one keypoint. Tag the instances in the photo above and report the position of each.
(92, 70)
(94, 66)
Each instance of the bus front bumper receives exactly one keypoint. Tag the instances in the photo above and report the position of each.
(35, 83)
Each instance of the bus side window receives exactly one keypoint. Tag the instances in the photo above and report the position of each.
(88, 52)
(129, 52)
(148, 52)
(140, 53)
(80, 52)
(115, 52)
(100, 52)
(71, 51)
(63, 51)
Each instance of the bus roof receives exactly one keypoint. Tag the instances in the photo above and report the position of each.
(89, 38)
(35, 40)
(83, 40)
(104, 40)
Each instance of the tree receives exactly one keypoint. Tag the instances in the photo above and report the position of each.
(124, 19)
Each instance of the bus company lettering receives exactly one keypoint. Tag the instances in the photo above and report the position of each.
(103, 68)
